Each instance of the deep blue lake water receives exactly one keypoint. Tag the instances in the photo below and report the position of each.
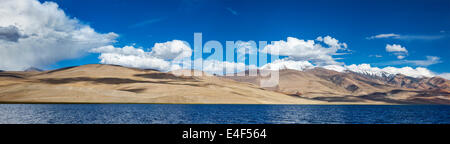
(222, 114)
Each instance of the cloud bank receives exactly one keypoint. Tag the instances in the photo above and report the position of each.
(288, 64)
(163, 56)
(34, 34)
(159, 58)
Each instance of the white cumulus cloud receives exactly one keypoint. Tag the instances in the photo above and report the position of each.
(307, 50)
(287, 64)
(37, 34)
(395, 48)
(332, 42)
(130, 56)
(220, 67)
(171, 49)
(398, 50)
(143, 61)
(159, 58)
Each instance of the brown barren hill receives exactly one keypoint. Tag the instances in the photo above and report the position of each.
(98, 83)
(115, 84)
(331, 86)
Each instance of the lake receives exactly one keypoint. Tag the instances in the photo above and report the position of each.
(222, 114)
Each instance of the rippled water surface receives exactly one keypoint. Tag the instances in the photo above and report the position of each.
(221, 114)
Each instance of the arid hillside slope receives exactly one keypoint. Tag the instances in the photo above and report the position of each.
(331, 86)
(115, 84)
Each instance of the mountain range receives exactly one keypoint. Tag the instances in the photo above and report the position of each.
(348, 86)
(116, 84)
(98, 83)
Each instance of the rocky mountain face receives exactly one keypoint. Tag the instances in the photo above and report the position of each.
(323, 84)
(434, 83)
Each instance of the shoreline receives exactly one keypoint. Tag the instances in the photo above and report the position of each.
(368, 104)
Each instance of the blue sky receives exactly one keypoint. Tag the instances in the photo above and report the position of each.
(425, 24)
